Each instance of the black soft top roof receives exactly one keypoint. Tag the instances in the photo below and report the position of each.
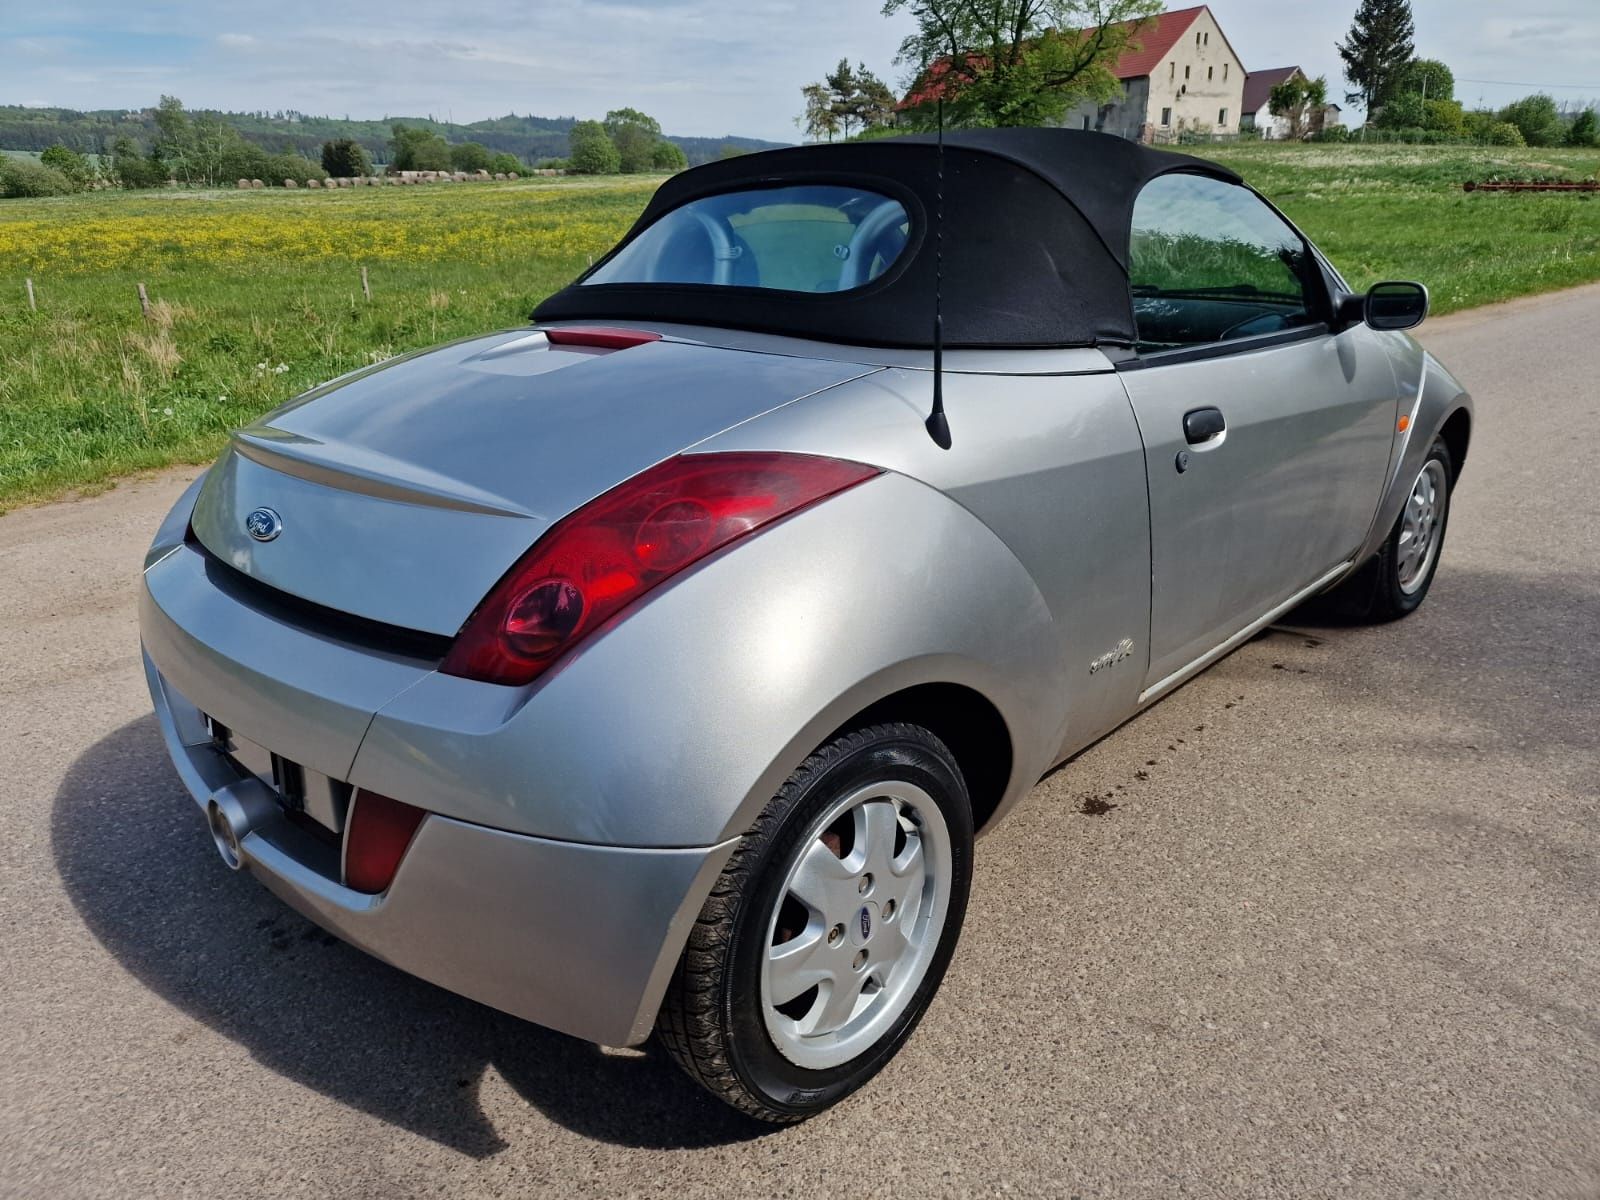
(1036, 228)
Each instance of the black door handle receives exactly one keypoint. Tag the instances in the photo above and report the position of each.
(1203, 425)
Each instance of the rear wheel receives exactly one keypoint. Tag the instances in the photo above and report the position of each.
(830, 929)
(1395, 581)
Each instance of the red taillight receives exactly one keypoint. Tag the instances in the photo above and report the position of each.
(380, 831)
(601, 337)
(616, 548)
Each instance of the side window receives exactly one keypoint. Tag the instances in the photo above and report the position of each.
(1210, 262)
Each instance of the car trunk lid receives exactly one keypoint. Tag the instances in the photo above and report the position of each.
(400, 494)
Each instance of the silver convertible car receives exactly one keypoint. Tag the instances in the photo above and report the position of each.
(652, 669)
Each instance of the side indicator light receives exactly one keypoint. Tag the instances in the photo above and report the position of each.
(1405, 424)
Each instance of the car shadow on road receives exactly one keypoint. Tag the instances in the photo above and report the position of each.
(135, 859)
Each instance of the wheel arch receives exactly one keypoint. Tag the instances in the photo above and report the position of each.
(967, 722)
(1457, 434)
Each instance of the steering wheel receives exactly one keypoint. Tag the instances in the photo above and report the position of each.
(857, 262)
(724, 251)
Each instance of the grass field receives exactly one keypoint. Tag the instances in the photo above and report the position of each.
(257, 295)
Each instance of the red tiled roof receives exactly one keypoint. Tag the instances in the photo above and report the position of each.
(1154, 41)
(1258, 86)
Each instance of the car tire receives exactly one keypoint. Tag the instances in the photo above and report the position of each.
(1395, 581)
(868, 844)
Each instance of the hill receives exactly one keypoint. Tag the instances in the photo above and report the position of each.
(530, 138)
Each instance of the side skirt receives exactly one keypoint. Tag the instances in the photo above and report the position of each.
(1161, 688)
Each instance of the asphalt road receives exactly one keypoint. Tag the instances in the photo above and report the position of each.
(1336, 934)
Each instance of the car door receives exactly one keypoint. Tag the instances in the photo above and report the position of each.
(1266, 432)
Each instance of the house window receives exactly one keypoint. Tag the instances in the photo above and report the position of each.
(1222, 117)
(1172, 74)
(1186, 72)
(1224, 72)
(1086, 122)
(1211, 73)
(1166, 117)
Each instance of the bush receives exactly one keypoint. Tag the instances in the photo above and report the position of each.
(1402, 112)
(70, 163)
(470, 156)
(1446, 117)
(593, 151)
(1536, 118)
(1504, 133)
(345, 158)
(1585, 129)
(669, 156)
(505, 164)
(290, 166)
(242, 160)
(1331, 133)
(22, 177)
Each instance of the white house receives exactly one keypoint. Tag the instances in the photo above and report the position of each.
(1257, 112)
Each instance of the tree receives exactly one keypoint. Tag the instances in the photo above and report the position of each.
(130, 168)
(1017, 62)
(470, 156)
(345, 158)
(1428, 78)
(1537, 118)
(1300, 101)
(75, 167)
(1585, 129)
(669, 156)
(174, 146)
(592, 150)
(418, 150)
(1377, 50)
(505, 164)
(819, 121)
(635, 135)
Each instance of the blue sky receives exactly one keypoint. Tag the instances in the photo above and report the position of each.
(707, 67)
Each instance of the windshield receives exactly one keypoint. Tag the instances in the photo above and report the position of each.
(811, 238)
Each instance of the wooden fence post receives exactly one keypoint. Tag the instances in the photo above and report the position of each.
(366, 288)
(32, 307)
(144, 302)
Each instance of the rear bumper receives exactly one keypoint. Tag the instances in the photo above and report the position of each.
(580, 938)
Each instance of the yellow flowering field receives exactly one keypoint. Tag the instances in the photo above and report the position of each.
(256, 296)
(433, 223)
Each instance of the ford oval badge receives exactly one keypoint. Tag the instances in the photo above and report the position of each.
(263, 524)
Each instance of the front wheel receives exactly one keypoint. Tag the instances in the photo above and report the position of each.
(829, 930)
(1395, 581)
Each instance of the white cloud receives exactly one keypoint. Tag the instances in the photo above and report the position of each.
(235, 39)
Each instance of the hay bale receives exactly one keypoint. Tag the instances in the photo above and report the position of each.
(499, 176)
(289, 183)
(512, 175)
(255, 183)
(314, 182)
(244, 183)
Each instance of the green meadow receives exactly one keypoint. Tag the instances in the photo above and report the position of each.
(257, 295)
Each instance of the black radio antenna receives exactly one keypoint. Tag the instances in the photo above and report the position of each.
(938, 427)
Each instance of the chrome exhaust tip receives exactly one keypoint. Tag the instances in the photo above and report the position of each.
(232, 813)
